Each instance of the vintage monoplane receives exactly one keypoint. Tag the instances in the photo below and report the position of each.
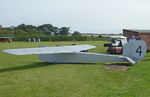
(133, 51)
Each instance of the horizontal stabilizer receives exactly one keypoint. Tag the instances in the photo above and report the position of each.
(81, 57)
(49, 50)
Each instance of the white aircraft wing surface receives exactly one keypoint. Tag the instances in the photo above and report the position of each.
(49, 50)
(82, 57)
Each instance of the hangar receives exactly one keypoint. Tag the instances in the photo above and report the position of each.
(142, 34)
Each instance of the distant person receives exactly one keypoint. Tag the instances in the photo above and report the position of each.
(133, 38)
(34, 40)
(29, 40)
(10, 40)
(39, 40)
(138, 38)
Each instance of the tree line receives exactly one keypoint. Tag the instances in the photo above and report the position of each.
(45, 32)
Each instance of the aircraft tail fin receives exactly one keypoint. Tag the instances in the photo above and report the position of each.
(135, 49)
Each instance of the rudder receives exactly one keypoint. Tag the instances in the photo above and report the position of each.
(135, 49)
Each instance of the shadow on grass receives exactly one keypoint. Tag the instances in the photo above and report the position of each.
(105, 63)
(120, 64)
(34, 65)
(44, 64)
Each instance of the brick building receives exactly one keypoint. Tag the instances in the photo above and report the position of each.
(142, 34)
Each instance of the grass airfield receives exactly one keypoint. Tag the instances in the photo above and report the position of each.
(27, 76)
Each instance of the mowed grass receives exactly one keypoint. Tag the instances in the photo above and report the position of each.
(27, 76)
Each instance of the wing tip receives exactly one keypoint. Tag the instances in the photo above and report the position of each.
(9, 52)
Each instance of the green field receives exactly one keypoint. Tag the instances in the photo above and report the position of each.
(27, 76)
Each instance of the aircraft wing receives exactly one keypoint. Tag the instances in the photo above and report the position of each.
(49, 50)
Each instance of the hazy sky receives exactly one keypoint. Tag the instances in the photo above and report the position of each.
(97, 16)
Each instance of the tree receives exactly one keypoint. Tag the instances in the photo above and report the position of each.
(55, 30)
(1, 26)
(26, 27)
(76, 33)
(21, 27)
(100, 36)
(64, 30)
(48, 29)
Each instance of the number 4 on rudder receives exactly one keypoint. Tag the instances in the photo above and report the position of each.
(139, 50)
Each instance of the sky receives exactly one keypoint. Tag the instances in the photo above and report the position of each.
(85, 16)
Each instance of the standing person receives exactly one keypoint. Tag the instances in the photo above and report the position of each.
(133, 38)
(34, 40)
(39, 40)
(10, 40)
(29, 40)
